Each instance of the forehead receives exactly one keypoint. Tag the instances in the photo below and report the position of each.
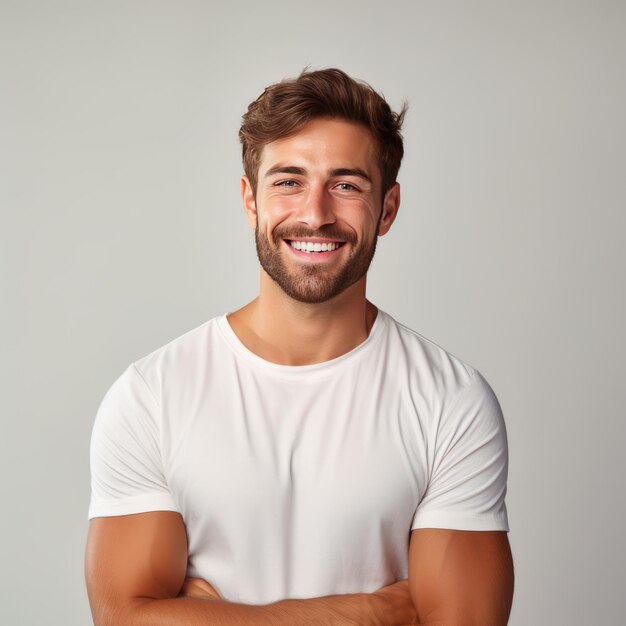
(324, 144)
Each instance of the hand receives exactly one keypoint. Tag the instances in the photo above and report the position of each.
(198, 588)
(398, 607)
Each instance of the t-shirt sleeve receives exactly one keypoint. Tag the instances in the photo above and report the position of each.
(468, 475)
(126, 467)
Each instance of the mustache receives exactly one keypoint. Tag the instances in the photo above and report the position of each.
(327, 231)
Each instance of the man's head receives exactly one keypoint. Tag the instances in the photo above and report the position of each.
(321, 155)
(286, 107)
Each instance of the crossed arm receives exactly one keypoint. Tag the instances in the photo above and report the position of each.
(136, 565)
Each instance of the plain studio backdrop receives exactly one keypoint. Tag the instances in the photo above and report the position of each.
(122, 228)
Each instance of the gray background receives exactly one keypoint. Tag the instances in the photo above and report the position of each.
(121, 229)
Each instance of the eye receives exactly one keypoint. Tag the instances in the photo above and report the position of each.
(346, 187)
(286, 183)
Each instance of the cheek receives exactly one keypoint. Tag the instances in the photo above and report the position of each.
(364, 219)
(275, 211)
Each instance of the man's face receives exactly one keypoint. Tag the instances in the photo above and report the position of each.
(318, 210)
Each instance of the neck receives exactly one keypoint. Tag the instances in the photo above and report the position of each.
(282, 330)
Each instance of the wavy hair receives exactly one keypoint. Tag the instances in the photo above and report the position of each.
(285, 107)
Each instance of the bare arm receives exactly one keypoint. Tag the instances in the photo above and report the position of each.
(461, 578)
(135, 568)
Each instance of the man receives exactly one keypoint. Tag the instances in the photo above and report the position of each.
(295, 461)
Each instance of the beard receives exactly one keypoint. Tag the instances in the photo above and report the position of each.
(319, 282)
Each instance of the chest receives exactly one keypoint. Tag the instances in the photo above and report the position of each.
(297, 455)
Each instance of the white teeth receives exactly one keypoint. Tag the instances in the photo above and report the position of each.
(309, 246)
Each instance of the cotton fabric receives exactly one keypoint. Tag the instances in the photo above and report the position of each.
(301, 481)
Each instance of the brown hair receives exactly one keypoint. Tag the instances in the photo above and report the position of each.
(285, 107)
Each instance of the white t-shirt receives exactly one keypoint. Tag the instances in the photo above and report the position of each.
(301, 481)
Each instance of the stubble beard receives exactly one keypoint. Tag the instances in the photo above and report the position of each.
(313, 283)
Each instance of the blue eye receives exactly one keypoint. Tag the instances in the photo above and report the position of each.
(286, 183)
(346, 187)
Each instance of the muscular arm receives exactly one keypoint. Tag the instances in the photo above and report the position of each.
(461, 578)
(135, 568)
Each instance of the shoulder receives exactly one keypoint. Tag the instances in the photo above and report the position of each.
(435, 380)
(136, 399)
(179, 359)
(435, 367)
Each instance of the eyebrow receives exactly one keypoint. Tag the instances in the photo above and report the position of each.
(350, 171)
(301, 171)
(285, 169)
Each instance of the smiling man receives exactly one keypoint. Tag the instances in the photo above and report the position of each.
(305, 459)
(321, 267)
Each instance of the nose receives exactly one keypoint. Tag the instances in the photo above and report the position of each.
(316, 209)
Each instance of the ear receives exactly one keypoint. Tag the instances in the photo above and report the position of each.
(249, 202)
(391, 204)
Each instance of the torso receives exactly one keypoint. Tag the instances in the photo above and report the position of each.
(296, 481)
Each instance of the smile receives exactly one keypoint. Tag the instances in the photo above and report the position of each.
(315, 247)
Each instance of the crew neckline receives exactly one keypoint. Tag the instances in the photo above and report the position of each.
(312, 370)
